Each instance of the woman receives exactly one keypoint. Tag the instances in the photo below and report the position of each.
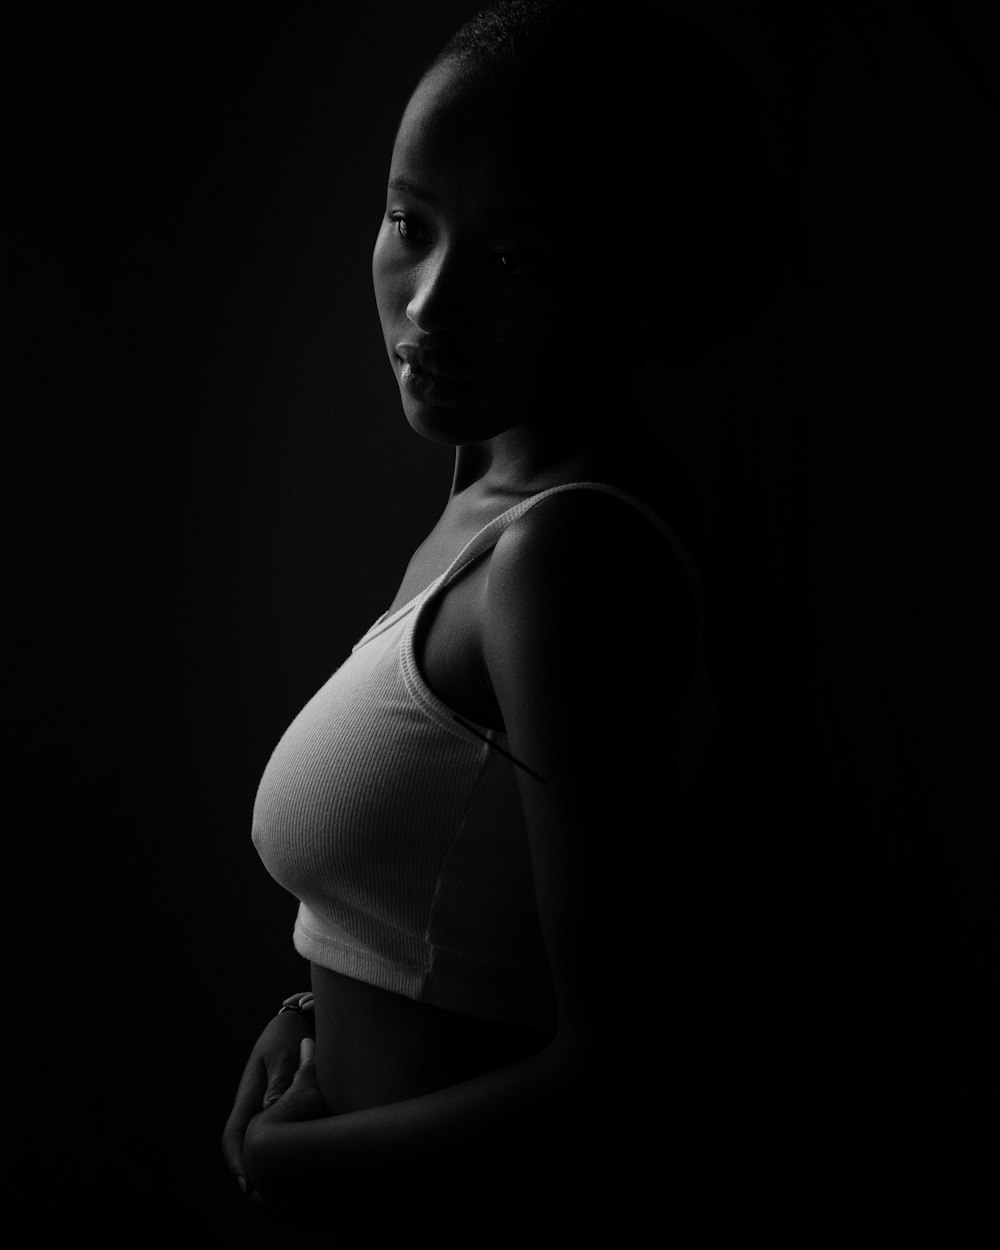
(481, 811)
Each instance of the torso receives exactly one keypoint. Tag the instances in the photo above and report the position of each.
(374, 1047)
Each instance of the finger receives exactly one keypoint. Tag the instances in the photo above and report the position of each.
(305, 1073)
(303, 1005)
(307, 1061)
(280, 1077)
(245, 1106)
(249, 1092)
(232, 1153)
(233, 1137)
(297, 999)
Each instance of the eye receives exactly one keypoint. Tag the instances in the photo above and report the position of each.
(406, 229)
(510, 262)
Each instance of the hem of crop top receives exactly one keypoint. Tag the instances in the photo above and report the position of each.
(446, 981)
(330, 950)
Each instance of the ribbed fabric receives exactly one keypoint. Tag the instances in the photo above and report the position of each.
(401, 832)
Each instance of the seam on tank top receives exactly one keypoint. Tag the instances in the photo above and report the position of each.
(460, 828)
(389, 621)
(378, 917)
(324, 940)
(424, 698)
(328, 941)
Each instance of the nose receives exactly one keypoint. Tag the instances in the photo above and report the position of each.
(439, 300)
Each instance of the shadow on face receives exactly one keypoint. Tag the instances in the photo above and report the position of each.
(495, 259)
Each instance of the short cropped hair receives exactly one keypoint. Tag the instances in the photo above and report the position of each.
(668, 125)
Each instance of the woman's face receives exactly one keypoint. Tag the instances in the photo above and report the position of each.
(486, 275)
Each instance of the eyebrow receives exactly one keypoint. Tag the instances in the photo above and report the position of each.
(516, 215)
(410, 188)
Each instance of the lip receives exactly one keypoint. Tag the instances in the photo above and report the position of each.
(430, 379)
(430, 388)
(430, 360)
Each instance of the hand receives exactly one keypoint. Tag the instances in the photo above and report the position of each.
(302, 1099)
(268, 1074)
(265, 1142)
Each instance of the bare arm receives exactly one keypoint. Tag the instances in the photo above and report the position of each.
(588, 629)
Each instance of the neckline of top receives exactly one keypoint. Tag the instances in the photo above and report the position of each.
(480, 541)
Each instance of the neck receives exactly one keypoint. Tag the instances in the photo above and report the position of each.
(526, 458)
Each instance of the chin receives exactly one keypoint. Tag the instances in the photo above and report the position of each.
(452, 426)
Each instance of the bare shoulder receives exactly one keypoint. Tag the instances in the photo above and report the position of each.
(588, 561)
(591, 521)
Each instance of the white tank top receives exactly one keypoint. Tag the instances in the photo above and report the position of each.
(400, 828)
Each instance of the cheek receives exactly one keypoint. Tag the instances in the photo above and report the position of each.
(534, 335)
(388, 281)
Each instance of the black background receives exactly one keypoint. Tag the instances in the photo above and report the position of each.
(214, 492)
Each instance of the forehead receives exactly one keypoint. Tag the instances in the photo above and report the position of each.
(465, 140)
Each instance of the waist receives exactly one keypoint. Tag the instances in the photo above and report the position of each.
(375, 1047)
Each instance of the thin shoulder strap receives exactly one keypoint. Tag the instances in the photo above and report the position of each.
(694, 715)
(488, 536)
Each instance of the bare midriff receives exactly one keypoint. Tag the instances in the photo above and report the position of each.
(374, 1047)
